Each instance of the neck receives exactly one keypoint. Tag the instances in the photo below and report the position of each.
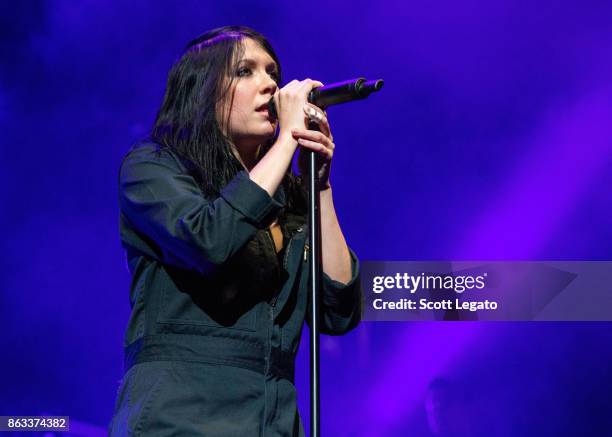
(248, 156)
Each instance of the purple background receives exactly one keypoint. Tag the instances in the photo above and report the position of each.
(491, 140)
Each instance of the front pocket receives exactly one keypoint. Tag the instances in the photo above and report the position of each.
(180, 309)
(188, 299)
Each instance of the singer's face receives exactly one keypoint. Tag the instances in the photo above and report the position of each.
(253, 84)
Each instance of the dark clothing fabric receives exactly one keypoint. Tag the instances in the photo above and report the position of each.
(216, 314)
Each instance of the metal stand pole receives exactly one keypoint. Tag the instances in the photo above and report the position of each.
(325, 96)
(314, 266)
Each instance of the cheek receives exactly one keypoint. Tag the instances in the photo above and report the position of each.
(241, 108)
(230, 112)
(238, 121)
(243, 98)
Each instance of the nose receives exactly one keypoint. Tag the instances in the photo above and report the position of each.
(269, 86)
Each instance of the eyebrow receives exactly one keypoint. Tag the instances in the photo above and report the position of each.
(254, 62)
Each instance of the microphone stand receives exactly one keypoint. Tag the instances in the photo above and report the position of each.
(314, 267)
(323, 97)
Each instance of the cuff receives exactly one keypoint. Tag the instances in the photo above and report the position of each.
(251, 200)
(337, 292)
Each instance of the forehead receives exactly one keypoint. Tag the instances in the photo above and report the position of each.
(255, 52)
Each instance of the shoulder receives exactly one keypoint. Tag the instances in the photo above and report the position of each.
(147, 156)
(150, 151)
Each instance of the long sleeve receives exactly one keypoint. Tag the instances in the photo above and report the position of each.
(342, 304)
(159, 199)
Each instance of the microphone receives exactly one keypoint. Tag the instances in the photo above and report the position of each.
(336, 93)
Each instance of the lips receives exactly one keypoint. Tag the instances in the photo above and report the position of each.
(262, 108)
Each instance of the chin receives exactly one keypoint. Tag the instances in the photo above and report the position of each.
(253, 140)
(255, 134)
(267, 133)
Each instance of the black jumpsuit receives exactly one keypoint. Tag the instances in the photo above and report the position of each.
(216, 315)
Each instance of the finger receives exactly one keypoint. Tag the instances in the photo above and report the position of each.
(317, 115)
(313, 135)
(313, 82)
(316, 136)
(316, 147)
(325, 128)
(290, 86)
(310, 84)
(313, 112)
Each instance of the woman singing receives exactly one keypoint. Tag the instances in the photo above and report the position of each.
(214, 225)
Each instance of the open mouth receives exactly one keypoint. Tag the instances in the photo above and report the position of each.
(266, 114)
(264, 109)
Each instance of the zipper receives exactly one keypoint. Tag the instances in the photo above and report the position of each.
(306, 250)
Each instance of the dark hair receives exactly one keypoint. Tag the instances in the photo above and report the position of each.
(187, 119)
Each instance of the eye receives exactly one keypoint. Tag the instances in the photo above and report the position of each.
(244, 71)
(275, 76)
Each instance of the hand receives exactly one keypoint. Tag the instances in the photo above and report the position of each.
(321, 142)
(290, 101)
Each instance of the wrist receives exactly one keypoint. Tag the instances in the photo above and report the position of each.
(323, 188)
(286, 138)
